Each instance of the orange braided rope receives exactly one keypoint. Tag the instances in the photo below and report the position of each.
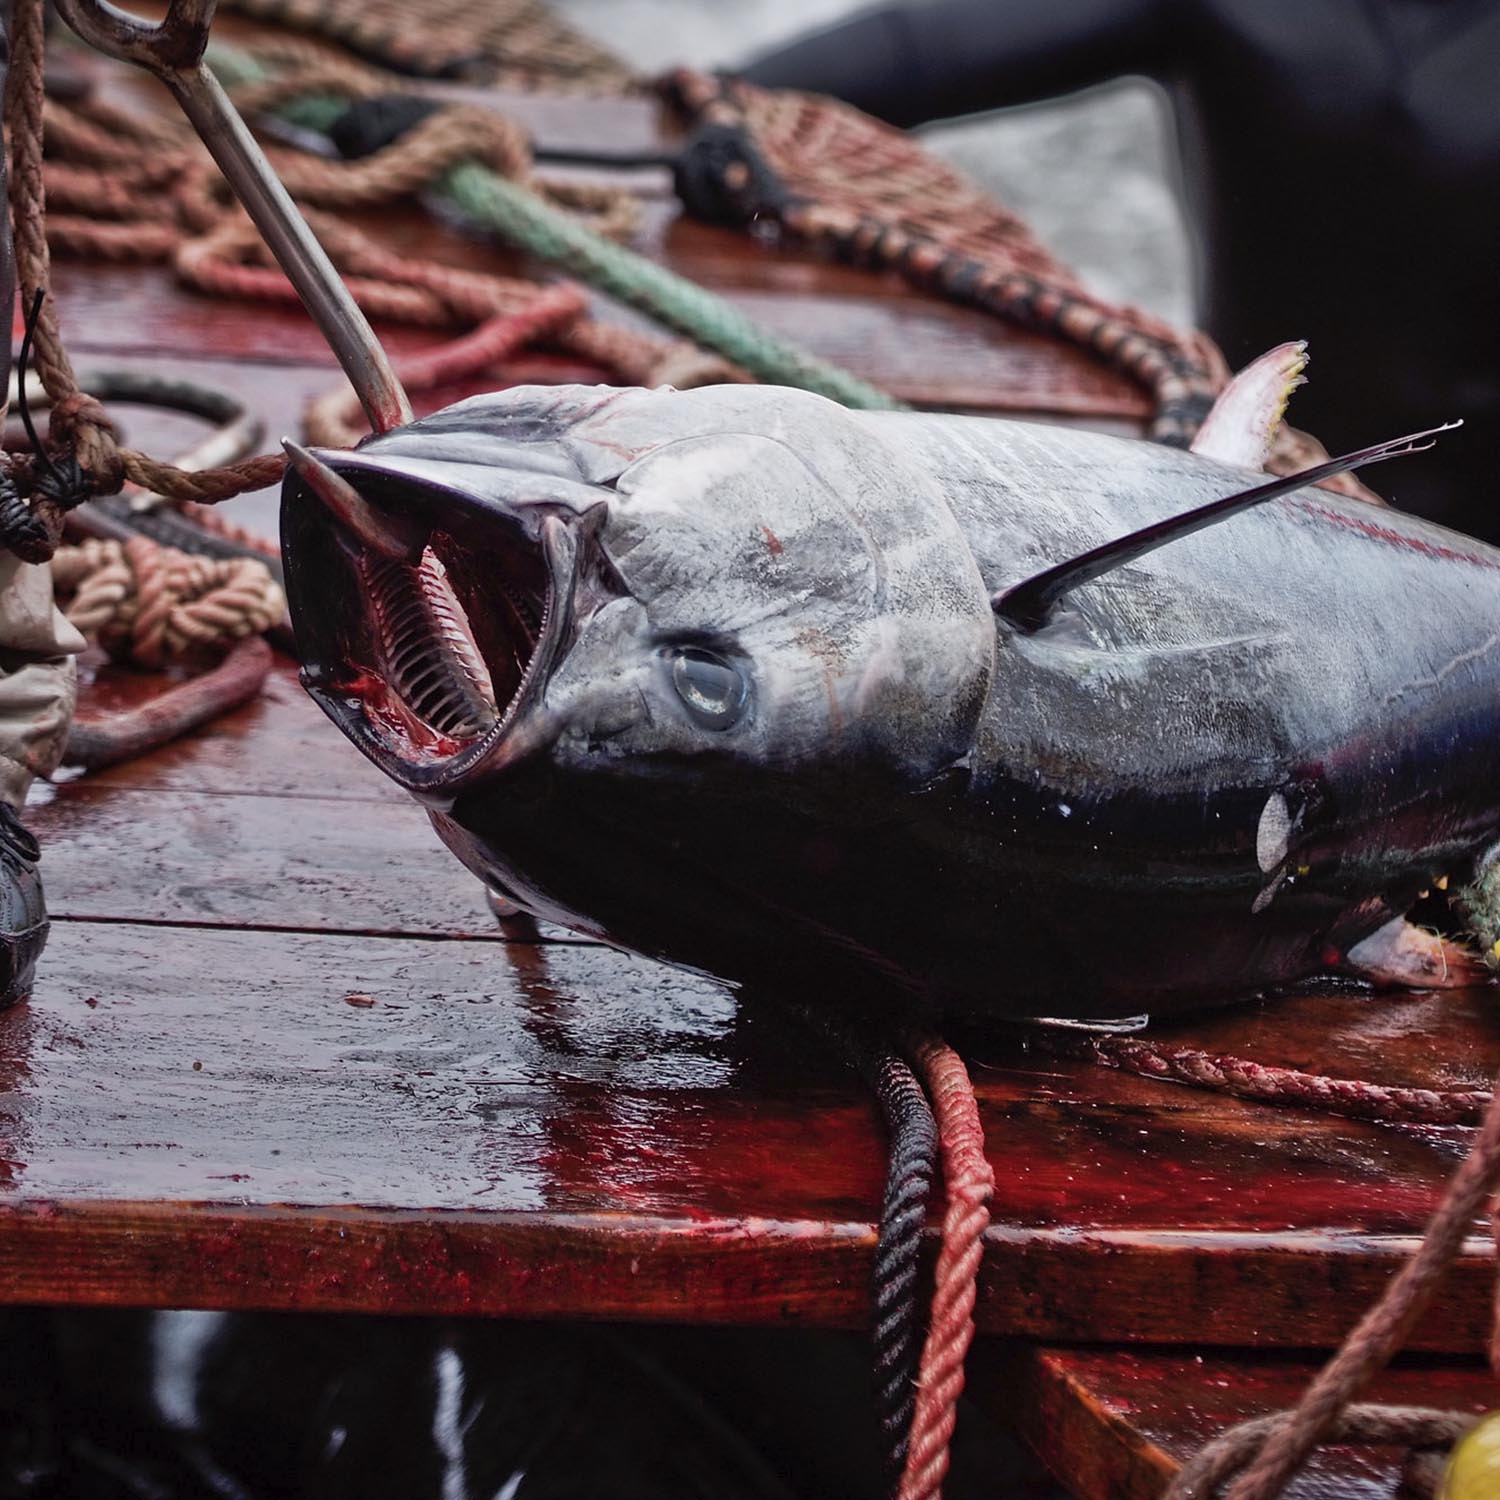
(157, 605)
(969, 1184)
(335, 420)
(1270, 1084)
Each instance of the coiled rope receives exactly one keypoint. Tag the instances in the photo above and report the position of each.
(154, 605)
(459, 154)
(827, 176)
(128, 186)
(508, 43)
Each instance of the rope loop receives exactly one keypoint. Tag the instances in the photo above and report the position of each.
(1421, 1428)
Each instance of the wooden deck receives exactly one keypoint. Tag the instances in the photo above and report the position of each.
(281, 1056)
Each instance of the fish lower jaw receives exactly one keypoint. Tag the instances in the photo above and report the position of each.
(451, 667)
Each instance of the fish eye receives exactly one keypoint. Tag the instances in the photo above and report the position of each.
(712, 689)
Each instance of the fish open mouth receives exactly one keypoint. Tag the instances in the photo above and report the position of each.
(426, 622)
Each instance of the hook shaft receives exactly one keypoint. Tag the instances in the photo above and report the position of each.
(173, 51)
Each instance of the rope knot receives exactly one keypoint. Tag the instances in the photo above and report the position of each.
(95, 466)
(371, 124)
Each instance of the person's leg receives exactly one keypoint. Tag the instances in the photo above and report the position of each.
(38, 686)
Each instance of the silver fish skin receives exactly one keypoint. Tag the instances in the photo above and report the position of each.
(1213, 772)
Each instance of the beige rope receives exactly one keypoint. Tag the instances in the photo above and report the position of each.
(155, 605)
(510, 43)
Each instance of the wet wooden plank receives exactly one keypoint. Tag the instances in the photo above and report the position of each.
(1116, 1425)
(239, 1118)
(306, 862)
(277, 745)
(921, 349)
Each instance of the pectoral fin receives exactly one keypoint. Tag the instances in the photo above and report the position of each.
(1245, 419)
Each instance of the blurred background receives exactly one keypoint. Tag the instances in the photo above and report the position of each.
(1093, 175)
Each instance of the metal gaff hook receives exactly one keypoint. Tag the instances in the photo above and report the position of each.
(173, 51)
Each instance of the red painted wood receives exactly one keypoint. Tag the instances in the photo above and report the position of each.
(526, 1108)
(301, 861)
(1116, 1425)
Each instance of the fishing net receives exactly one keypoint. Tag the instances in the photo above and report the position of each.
(819, 174)
(826, 176)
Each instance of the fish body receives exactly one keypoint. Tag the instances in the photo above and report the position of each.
(749, 708)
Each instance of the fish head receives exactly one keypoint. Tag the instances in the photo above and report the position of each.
(615, 578)
(668, 592)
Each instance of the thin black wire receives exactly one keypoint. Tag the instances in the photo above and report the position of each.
(21, 529)
(22, 361)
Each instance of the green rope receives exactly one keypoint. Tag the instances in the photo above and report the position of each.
(523, 220)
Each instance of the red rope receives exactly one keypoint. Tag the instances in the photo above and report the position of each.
(1270, 1084)
(496, 339)
(1285, 1442)
(334, 419)
(969, 1185)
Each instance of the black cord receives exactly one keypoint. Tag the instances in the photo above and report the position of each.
(897, 1327)
(21, 529)
(27, 333)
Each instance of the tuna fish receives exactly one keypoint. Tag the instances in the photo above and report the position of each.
(717, 676)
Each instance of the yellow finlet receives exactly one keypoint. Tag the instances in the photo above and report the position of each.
(1243, 424)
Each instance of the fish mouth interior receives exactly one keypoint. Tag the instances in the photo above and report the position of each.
(426, 663)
